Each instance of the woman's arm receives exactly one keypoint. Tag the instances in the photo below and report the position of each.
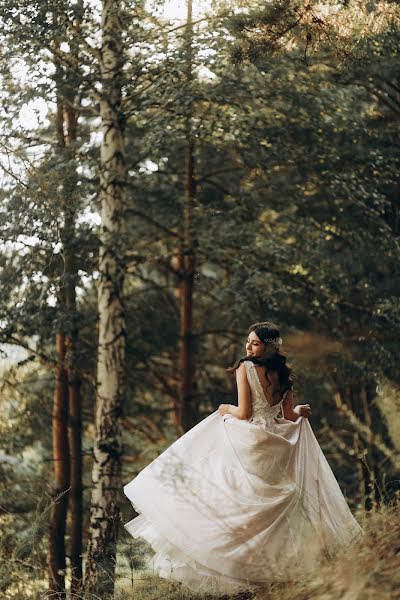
(243, 410)
(290, 413)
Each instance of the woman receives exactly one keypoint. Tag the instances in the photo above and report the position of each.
(245, 497)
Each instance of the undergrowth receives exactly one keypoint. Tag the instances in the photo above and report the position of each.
(369, 570)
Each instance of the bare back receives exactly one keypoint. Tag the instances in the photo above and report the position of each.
(270, 385)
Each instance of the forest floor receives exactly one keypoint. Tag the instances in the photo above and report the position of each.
(368, 571)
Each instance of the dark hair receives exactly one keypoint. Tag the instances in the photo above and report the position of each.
(275, 361)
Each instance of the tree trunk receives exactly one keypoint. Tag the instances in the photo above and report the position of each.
(186, 407)
(56, 558)
(104, 516)
(76, 488)
(58, 513)
(359, 400)
(71, 341)
(187, 414)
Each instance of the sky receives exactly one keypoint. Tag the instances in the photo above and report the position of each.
(176, 9)
(34, 112)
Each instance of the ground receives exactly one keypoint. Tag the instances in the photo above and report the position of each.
(369, 571)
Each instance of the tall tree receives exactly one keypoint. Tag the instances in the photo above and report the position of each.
(61, 454)
(70, 276)
(187, 256)
(59, 507)
(106, 476)
(68, 380)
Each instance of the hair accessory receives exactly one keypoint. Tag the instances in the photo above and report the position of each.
(276, 342)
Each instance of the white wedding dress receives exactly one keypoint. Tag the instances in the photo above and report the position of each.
(233, 505)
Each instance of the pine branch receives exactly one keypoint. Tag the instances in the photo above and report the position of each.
(151, 221)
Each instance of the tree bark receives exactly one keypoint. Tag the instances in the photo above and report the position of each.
(187, 414)
(76, 488)
(58, 513)
(67, 120)
(106, 476)
(71, 342)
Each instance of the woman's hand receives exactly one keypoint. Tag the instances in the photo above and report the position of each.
(303, 410)
(223, 409)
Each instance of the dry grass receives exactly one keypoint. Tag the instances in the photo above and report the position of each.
(369, 571)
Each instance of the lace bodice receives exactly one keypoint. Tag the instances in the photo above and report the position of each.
(262, 412)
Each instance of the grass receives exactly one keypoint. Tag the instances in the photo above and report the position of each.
(368, 571)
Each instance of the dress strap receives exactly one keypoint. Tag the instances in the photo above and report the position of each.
(248, 364)
(250, 369)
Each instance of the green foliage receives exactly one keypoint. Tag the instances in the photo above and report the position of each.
(295, 217)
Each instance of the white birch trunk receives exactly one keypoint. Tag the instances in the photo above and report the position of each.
(106, 476)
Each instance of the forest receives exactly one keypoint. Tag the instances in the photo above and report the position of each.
(172, 172)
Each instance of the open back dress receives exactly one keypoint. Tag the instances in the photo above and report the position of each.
(236, 504)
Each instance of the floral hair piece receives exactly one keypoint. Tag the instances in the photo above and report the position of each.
(276, 342)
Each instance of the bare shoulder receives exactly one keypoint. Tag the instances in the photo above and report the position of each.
(241, 374)
(241, 370)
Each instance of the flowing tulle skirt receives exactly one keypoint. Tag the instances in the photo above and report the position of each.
(230, 506)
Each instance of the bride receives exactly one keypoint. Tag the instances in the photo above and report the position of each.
(246, 496)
